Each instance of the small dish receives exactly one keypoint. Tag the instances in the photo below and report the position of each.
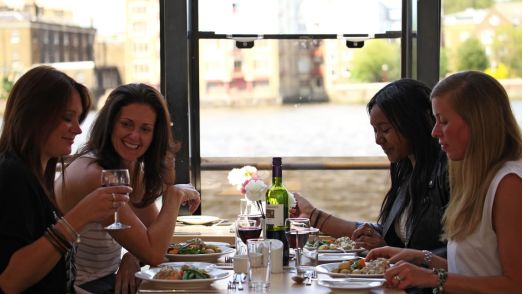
(197, 219)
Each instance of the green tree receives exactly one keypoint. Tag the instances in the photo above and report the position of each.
(506, 49)
(452, 6)
(472, 56)
(377, 61)
(7, 85)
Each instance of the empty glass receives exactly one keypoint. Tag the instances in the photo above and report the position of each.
(259, 252)
(116, 177)
(297, 235)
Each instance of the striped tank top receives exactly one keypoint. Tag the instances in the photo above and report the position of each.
(98, 255)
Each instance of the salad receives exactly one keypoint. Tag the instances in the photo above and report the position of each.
(342, 243)
(360, 266)
(185, 272)
(193, 246)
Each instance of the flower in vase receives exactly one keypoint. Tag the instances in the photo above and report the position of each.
(254, 190)
(238, 176)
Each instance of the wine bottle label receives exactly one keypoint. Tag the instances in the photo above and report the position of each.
(274, 214)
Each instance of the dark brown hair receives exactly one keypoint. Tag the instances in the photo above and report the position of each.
(34, 108)
(152, 161)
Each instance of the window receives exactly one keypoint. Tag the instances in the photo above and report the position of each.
(299, 93)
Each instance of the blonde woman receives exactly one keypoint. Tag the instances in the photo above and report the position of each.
(477, 129)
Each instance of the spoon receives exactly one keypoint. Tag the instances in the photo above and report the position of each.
(298, 279)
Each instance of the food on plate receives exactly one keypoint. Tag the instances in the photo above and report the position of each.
(360, 266)
(193, 246)
(185, 272)
(342, 243)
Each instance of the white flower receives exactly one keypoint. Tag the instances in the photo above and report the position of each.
(237, 176)
(292, 200)
(255, 190)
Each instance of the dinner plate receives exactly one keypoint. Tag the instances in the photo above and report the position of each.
(347, 285)
(215, 273)
(328, 267)
(207, 257)
(197, 219)
(331, 257)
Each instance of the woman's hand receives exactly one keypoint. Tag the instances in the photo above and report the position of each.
(303, 207)
(189, 195)
(125, 279)
(101, 204)
(406, 275)
(365, 236)
(395, 254)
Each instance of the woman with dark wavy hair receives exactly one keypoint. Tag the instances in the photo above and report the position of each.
(410, 216)
(42, 117)
(132, 131)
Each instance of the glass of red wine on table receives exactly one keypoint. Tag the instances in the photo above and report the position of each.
(247, 227)
(297, 233)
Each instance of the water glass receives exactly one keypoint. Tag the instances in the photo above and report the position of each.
(259, 252)
(311, 247)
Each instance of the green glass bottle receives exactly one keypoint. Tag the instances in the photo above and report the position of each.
(277, 208)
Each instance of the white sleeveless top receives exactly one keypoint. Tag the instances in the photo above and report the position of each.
(97, 255)
(477, 255)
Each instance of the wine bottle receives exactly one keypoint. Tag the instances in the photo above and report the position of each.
(277, 209)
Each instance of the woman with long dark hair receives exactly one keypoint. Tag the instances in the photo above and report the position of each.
(411, 212)
(42, 117)
(132, 131)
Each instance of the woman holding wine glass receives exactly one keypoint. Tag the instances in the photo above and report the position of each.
(133, 132)
(42, 117)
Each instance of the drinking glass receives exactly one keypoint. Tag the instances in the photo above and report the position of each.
(247, 227)
(297, 233)
(116, 177)
(259, 252)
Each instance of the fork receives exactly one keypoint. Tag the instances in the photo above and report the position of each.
(231, 285)
(228, 259)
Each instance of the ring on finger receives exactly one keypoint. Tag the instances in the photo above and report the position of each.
(397, 278)
(115, 205)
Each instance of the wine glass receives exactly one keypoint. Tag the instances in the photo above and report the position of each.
(247, 227)
(116, 177)
(297, 233)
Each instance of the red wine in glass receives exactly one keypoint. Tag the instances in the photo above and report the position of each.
(297, 239)
(247, 233)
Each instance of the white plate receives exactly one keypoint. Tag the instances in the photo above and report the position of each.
(209, 257)
(197, 219)
(331, 257)
(339, 250)
(347, 284)
(328, 267)
(215, 273)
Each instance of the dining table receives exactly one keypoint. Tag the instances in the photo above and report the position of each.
(279, 282)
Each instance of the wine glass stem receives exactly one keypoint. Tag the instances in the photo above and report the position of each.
(116, 218)
(298, 258)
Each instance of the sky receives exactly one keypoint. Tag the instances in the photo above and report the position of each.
(107, 16)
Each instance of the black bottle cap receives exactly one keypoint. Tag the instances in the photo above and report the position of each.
(276, 161)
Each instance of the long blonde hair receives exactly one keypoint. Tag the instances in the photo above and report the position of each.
(495, 138)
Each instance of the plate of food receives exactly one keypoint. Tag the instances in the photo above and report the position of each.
(182, 275)
(355, 268)
(197, 219)
(348, 284)
(342, 244)
(196, 250)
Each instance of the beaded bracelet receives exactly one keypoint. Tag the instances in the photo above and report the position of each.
(70, 229)
(324, 221)
(442, 277)
(427, 258)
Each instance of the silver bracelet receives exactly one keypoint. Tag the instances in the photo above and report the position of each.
(427, 258)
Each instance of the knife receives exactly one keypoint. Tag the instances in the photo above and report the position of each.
(181, 291)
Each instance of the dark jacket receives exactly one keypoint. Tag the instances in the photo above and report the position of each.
(426, 227)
